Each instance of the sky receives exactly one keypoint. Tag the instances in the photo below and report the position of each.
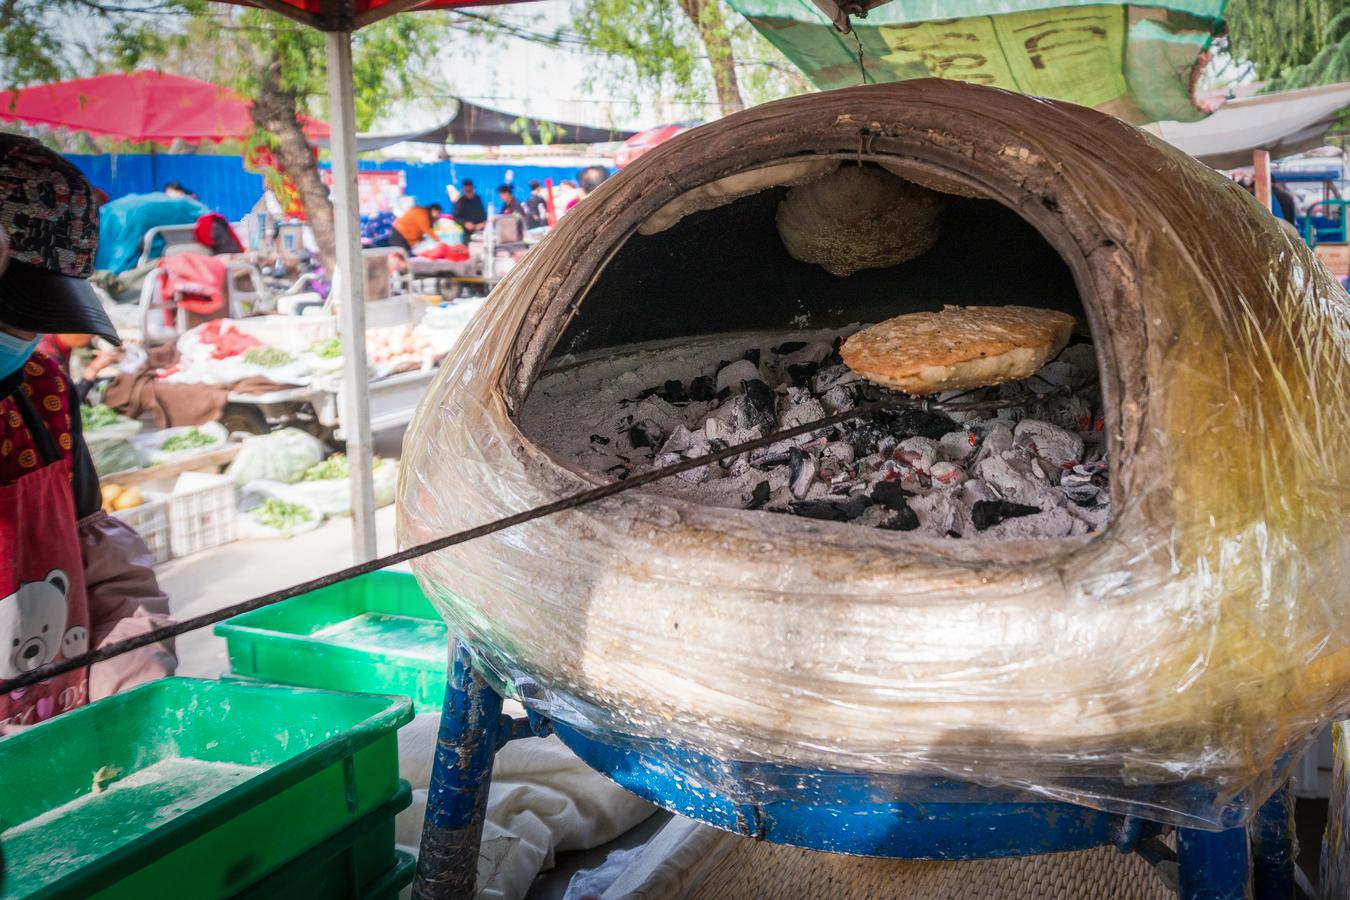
(520, 76)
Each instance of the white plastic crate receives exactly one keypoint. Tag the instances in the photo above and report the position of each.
(151, 522)
(202, 513)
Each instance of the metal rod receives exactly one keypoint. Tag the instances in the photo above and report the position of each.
(349, 283)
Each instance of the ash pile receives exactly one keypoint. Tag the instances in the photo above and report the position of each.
(1030, 464)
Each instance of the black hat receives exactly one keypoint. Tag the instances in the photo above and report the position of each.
(48, 210)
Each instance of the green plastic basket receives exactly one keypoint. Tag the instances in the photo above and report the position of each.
(189, 788)
(361, 862)
(375, 633)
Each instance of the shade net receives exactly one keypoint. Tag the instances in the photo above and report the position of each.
(1136, 61)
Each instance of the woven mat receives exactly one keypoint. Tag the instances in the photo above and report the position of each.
(754, 870)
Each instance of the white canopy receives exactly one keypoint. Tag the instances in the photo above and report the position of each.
(1283, 123)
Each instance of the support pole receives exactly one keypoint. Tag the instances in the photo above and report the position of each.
(349, 283)
(1274, 847)
(1261, 165)
(1214, 865)
(447, 866)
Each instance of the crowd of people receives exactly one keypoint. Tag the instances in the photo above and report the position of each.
(467, 210)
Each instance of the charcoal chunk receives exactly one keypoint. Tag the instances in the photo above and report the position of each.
(619, 473)
(831, 510)
(752, 355)
(759, 496)
(645, 434)
(892, 496)
(988, 513)
(755, 405)
(905, 422)
(673, 392)
(599, 439)
(801, 373)
(703, 388)
(905, 519)
(787, 347)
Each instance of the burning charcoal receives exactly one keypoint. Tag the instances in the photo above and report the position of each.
(787, 347)
(619, 473)
(865, 438)
(800, 373)
(904, 475)
(994, 440)
(801, 472)
(988, 513)
(836, 400)
(797, 407)
(678, 441)
(975, 490)
(752, 355)
(947, 474)
(919, 452)
(1050, 442)
(735, 374)
(599, 439)
(830, 510)
(838, 452)
(1010, 483)
(831, 376)
(754, 408)
(813, 352)
(957, 446)
(703, 388)
(1054, 374)
(891, 495)
(645, 434)
(907, 422)
(759, 496)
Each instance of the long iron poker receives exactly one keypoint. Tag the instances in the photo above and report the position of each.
(582, 498)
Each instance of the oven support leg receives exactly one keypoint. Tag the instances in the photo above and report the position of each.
(1274, 847)
(1213, 865)
(447, 866)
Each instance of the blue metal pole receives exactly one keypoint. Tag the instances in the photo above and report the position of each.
(1213, 865)
(447, 866)
(1274, 847)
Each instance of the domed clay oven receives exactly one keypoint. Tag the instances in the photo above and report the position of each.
(1182, 622)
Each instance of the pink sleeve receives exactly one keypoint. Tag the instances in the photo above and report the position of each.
(124, 601)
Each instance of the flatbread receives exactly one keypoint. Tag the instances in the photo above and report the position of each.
(959, 348)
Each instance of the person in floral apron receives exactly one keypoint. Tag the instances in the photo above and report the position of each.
(71, 576)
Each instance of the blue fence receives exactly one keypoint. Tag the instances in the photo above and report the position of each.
(223, 185)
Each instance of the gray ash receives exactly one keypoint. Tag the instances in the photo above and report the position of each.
(1036, 469)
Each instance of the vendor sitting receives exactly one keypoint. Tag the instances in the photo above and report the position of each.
(72, 578)
(418, 222)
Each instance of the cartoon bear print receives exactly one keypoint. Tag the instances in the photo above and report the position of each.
(33, 625)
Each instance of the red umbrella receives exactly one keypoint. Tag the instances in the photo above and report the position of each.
(643, 141)
(139, 106)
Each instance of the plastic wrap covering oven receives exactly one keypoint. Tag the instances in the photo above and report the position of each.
(1170, 663)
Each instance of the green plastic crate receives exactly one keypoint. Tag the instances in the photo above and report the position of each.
(189, 788)
(375, 633)
(358, 864)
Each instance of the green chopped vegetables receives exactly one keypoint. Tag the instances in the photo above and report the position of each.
(329, 349)
(282, 515)
(268, 357)
(96, 417)
(191, 439)
(334, 467)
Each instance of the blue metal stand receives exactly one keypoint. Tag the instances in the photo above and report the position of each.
(840, 812)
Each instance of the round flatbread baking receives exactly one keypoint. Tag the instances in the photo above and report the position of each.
(959, 348)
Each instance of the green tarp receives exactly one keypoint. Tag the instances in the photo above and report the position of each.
(1135, 60)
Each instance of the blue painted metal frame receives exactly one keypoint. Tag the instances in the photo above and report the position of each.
(839, 812)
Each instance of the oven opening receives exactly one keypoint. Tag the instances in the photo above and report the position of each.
(712, 331)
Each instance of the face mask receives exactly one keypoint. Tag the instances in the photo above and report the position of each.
(14, 352)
